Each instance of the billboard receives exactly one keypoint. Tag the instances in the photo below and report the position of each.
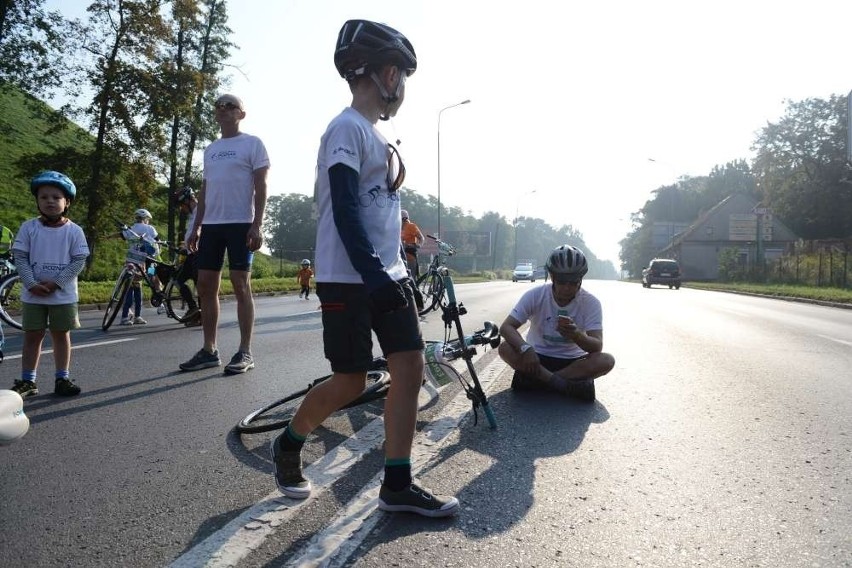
(469, 243)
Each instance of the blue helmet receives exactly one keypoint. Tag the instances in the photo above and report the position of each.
(56, 179)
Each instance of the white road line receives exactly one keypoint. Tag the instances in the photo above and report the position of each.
(81, 346)
(245, 533)
(841, 341)
(333, 546)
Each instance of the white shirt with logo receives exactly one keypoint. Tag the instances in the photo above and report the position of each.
(539, 308)
(354, 141)
(50, 250)
(229, 167)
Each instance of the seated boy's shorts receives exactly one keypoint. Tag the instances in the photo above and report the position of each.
(37, 317)
(216, 239)
(348, 320)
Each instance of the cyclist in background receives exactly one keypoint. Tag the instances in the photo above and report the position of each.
(50, 252)
(564, 347)
(362, 280)
(187, 205)
(304, 278)
(149, 245)
(6, 239)
(412, 240)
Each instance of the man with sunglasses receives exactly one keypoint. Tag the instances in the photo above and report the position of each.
(229, 217)
(563, 351)
(361, 278)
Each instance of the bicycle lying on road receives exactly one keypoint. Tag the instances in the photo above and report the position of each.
(438, 372)
(179, 294)
(10, 292)
(431, 282)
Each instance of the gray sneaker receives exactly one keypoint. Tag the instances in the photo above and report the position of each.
(416, 499)
(240, 363)
(288, 472)
(201, 360)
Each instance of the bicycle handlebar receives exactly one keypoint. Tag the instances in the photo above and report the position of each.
(443, 247)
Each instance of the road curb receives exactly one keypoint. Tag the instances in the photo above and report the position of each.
(825, 303)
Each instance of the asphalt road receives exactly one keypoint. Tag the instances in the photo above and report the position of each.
(723, 437)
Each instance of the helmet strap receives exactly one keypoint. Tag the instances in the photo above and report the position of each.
(388, 98)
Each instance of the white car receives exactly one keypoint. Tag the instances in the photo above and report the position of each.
(523, 272)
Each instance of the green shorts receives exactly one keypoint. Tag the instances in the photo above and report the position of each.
(38, 317)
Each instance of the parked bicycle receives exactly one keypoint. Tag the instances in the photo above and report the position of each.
(439, 372)
(10, 291)
(431, 282)
(179, 294)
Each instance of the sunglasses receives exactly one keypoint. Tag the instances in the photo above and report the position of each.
(566, 280)
(396, 169)
(226, 106)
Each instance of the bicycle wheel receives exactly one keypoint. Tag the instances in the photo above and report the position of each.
(10, 300)
(431, 286)
(117, 298)
(177, 307)
(278, 414)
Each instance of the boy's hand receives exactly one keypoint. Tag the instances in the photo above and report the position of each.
(43, 289)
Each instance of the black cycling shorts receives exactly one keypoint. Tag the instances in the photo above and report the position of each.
(216, 239)
(348, 322)
(554, 364)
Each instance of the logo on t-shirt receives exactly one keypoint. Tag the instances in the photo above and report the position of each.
(223, 155)
(346, 151)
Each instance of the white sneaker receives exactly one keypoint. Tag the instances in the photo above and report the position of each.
(161, 309)
(127, 321)
(139, 321)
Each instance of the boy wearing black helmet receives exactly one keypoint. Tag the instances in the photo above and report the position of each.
(563, 349)
(50, 251)
(361, 278)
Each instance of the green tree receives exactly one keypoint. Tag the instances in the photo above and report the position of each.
(122, 40)
(290, 226)
(31, 46)
(802, 169)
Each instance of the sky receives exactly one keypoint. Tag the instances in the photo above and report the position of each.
(578, 110)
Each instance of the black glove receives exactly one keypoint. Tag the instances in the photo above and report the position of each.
(389, 297)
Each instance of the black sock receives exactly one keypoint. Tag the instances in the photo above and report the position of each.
(397, 474)
(289, 441)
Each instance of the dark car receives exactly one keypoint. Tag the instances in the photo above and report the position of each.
(663, 271)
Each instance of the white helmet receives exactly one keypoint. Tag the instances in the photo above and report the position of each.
(306, 262)
(143, 214)
(569, 261)
(13, 422)
(403, 213)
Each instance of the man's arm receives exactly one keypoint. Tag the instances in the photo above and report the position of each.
(254, 238)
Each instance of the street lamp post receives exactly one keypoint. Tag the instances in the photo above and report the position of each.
(464, 102)
(517, 211)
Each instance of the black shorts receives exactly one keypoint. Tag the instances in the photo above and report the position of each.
(554, 364)
(216, 239)
(348, 321)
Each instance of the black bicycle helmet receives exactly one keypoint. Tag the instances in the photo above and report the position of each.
(361, 44)
(56, 179)
(569, 261)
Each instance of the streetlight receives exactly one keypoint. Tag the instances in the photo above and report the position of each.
(517, 210)
(464, 102)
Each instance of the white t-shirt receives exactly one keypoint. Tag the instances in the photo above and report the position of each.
(539, 308)
(50, 250)
(229, 166)
(190, 221)
(353, 140)
(147, 232)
